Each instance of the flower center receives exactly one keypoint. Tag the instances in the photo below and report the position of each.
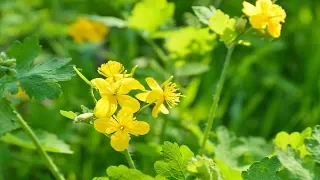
(170, 94)
(121, 127)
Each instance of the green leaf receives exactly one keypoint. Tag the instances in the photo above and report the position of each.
(68, 114)
(294, 164)
(39, 81)
(227, 172)
(295, 139)
(313, 144)
(191, 69)
(109, 21)
(48, 141)
(266, 169)
(100, 178)
(174, 161)
(124, 173)
(203, 168)
(8, 118)
(25, 52)
(149, 15)
(223, 25)
(204, 13)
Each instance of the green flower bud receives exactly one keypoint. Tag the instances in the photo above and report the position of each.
(3, 55)
(3, 68)
(84, 117)
(241, 25)
(11, 72)
(1, 60)
(9, 62)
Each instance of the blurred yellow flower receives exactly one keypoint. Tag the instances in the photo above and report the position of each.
(121, 126)
(21, 94)
(265, 15)
(159, 96)
(114, 93)
(85, 30)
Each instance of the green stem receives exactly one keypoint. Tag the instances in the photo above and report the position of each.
(92, 95)
(216, 98)
(129, 159)
(164, 58)
(53, 168)
(142, 109)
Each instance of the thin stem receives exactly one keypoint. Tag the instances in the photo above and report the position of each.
(216, 98)
(53, 168)
(92, 95)
(142, 109)
(129, 159)
(164, 58)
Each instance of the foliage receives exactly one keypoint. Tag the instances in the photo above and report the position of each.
(264, 126)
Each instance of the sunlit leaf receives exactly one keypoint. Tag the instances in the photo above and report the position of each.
(68, 114)
(227, 172)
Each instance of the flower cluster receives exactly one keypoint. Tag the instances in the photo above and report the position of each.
(85, 30)
(264, 15)
(114, 91)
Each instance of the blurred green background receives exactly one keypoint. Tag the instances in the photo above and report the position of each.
(272, 85)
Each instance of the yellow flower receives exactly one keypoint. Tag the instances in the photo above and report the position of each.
(22, 95)
(121, 126)
(114, 93)
(114, 70)
(265, 15)
(159, 96)
(86, 30)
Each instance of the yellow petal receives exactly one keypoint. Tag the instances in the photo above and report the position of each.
(157, 107)
(264, 5)
(274, 29)
(154, 95)
(111, 68)
(138, 128)
(125, 85)
(124, 116)
(128, 101)
(278, 13)
(153, 83)
(163, 109)
(106, 125)
(249, 9)
(143, 96)
(103, 86)
(120, 140)
(259, 21)
(105, 107)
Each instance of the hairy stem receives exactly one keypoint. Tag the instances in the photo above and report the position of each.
(129, 159)
(53, 168)
(216, 98)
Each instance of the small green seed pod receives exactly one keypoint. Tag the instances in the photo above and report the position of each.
(241, 25)
(9, 62)
(11, 72)
(3, 55)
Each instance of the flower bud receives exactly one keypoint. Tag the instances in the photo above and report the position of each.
(11, 72)
(241, 25)
(9, 62)
(84, 117)
(3, 55)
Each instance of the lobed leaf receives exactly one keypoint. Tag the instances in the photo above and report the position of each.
(266, 169)
(313, 144)
(8, 118)
(124, 173)
(174, 161)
